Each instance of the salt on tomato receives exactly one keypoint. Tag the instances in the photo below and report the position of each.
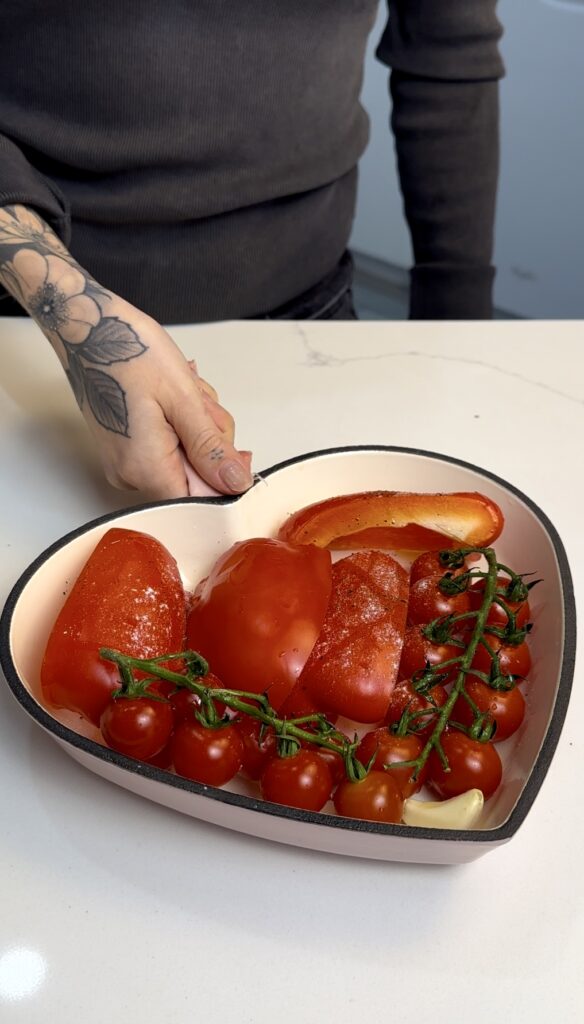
(353, 667)
(257, 615)
(128, 596)
(497, 616)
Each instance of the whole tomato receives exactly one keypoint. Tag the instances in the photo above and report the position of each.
(302, 780)
(505, 707)
(471, 765)
(209, 755)
(139, 727)
(377, 797)
(128, 596)
(385, 748)
(257, 615)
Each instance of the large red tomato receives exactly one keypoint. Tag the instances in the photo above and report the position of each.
(354, 664)
(257, 615)
(129, 596)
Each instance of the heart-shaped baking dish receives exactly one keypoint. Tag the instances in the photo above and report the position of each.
(196, 531)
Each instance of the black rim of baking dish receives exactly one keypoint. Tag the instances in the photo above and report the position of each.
(499, 834)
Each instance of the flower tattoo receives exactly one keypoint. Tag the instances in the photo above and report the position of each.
(63, 300)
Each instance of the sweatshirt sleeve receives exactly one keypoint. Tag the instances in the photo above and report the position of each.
(20, 182)
(445, 67)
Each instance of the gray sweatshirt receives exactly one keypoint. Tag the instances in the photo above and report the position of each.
(200, 157)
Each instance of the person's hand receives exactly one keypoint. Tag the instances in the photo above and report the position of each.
(158, 425)
(179, 440)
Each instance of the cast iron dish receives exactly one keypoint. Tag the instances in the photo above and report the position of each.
(196, 531)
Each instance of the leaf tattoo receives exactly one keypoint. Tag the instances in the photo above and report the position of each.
(75, 377)
(107, 401)
(111, 341)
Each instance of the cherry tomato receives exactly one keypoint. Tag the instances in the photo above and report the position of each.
(353, 666)
(334, 761)
(377, 797)
(212, 756)
(405, 697)
(497, 615)
(128, 596)
(396, 520)
(139, 727)
(505, 707)
(427, 602)
(388, 748)
(513, 661)
(302, 780)
(258, 614)
(184, 702)
(429, 564)
(418, 651)
(472, 765)
(259, 746)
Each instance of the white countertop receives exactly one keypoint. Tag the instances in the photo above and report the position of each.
(116, 909)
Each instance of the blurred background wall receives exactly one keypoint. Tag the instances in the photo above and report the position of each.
(540, 219)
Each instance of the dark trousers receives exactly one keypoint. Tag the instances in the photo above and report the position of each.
(330, 299)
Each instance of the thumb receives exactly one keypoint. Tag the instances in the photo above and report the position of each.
(211, 454)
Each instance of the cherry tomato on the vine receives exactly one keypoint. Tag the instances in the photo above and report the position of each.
(418, 651)
(302, 780)
(513, 661)
(139, 727)
(259, 745)
(386, 748)
(209, 755)
(427, 602)
(505, 707)
(429, 564)
(377, 797)
(497, 615)
(472, 765)
(404, 697)
(184, 702)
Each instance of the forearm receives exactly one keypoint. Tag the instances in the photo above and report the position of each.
(447, 140)
(84, 323)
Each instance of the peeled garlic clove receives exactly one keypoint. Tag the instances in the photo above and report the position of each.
(459, 812)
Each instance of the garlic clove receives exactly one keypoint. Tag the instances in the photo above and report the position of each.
(459, 812)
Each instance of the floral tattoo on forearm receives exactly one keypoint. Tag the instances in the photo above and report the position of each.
(65, 301)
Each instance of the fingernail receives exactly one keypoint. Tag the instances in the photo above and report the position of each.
(235, 477)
